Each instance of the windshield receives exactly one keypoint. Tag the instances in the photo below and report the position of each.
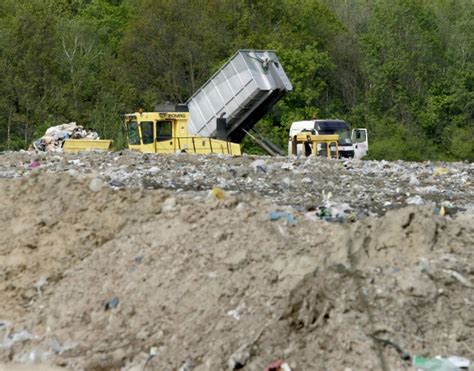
(147, 132)
(133, 136)
(336, 127)
(344, 136)
(164, 131)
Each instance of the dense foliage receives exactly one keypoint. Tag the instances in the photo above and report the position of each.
(402, 68)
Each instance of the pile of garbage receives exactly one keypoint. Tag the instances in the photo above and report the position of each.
(53, 139)
(101, 277)
(335, 191)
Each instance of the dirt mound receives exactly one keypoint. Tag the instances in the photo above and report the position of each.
(95, 278)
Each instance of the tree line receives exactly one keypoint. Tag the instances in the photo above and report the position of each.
(402, 68)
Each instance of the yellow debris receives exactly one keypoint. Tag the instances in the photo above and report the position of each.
(442, 211)
(441, 171)
(217, 193)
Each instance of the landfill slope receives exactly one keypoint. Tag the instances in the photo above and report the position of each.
(98, 276)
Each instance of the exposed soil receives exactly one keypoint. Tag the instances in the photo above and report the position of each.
(124, 261)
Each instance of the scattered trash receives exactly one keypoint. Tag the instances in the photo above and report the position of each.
(336, 212)
(427, 190)
(187, 366)
(56, 346)
(4, 324)
(152, 354)
(169, 205)
(76, 162)
(259, 166)
(10, 339)
(138, 259)
(326, 196)
(440, 171)
(237, 312)
(116, 184)
(112, 303)
(333, 211)
(441, 364)
(406, 356)
(413, 180)
(372, 183)
(415, 200)
(440, 211)
(461, 362)
(285, 215)
(459, 277)
(34, 164)
(278, 365)
(329, 215)
(153, 351)
(96, 184)
(217, 193)
(53, 139)
(40, 284)
(36, 356)
(239, 359)
(154, 170)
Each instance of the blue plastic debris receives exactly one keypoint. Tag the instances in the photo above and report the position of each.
(112, 303)
(278, 215)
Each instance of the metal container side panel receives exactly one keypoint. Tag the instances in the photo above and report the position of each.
(244, 103)
(207, 111)
(239, 105)
(229, 84)
(234, 89)
(223, 93)
(231, 79)
(211, 104)
(271, 78)
(255, 62)
(213, 98)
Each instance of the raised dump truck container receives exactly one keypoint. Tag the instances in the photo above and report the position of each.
(242, 91)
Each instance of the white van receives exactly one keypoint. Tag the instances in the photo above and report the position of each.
(351, 144)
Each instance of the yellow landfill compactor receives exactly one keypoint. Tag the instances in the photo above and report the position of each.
(167, 132)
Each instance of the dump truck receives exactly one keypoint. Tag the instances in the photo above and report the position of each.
(348, 144)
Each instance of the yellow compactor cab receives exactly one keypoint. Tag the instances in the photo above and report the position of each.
(167, 132)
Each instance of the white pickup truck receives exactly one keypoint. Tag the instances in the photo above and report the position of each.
(351, 144)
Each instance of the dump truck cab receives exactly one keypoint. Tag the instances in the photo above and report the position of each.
(166, 131)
